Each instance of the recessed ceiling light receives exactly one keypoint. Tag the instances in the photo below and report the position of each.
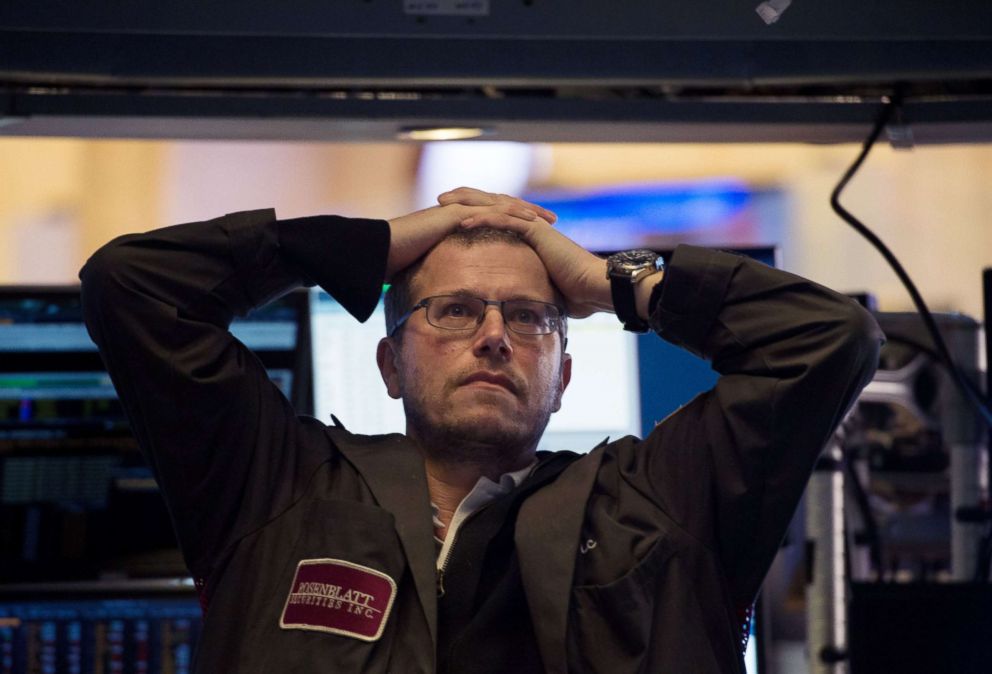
(441, 132)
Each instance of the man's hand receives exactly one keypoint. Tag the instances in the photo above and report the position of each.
(579, 275)
(411, 236)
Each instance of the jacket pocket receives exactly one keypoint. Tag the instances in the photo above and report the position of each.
(651, 619)
(619, 612)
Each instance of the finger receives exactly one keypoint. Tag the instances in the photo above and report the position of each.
(521, 212)
(472, 197)
(504, 212)
(549, 216)
(541, 212)
(512, 207)
(466, 196)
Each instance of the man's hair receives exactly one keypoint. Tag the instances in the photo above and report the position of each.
(398, 299)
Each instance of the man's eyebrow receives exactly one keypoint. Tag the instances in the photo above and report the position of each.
(460, 292)
(466, 292)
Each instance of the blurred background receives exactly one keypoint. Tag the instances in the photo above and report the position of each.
(60, 199)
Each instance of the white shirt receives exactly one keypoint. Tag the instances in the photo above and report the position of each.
(484, 491)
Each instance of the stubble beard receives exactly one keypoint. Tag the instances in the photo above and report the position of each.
(467, 440)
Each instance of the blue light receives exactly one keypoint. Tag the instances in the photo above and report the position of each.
(638, 213)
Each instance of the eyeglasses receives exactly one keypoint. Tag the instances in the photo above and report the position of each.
(463, 312)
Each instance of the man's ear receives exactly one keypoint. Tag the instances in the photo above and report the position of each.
(387, 356)
(565, 377)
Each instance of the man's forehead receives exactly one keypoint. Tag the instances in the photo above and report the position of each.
(454, 266)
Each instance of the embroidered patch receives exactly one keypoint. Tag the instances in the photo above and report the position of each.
(332, 595)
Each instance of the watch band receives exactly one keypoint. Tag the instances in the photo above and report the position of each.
(625, 304)
(625, 270)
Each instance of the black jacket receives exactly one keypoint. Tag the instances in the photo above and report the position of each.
(686, 522)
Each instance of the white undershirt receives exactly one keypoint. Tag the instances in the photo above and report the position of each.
(484, 491)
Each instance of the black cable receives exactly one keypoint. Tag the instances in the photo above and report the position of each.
(958, 377)
(870, 533)
(938, 340)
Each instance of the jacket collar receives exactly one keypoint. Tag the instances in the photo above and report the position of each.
(394, 472)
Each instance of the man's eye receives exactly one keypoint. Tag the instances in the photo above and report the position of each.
(527, 316)
(455, 310)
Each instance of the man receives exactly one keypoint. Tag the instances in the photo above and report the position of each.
(455, 547)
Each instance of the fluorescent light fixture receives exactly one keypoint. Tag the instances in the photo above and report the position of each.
(441, 132)
(493, 166)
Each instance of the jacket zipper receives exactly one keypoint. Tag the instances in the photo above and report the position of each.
(444, 563)
(447, 556)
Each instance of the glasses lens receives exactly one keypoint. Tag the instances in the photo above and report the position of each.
(454, 312)
(459, 312)
(531, 318)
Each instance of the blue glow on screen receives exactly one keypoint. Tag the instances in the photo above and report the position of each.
(640, 214)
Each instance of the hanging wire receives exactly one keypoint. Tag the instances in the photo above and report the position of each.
(968, 389)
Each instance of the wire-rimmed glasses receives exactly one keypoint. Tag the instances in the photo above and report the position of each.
(465, 312)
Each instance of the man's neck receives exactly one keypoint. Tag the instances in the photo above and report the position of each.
(455, 462)
(449, 483)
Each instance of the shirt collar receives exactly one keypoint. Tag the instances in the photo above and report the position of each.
(484, 491)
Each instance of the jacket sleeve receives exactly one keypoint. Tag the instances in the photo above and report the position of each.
(225, 445)
(731, 465)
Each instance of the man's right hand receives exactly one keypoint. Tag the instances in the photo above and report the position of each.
(578, 274)
(412, 235)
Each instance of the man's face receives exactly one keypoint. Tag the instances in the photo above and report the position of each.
(488, 387)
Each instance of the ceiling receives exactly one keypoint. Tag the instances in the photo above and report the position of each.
(531, 70)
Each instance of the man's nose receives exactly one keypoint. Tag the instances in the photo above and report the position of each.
(492, 334)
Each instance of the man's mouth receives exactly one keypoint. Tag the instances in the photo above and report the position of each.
(493, 378)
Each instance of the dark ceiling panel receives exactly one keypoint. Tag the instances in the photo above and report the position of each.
(531, 69)
(523, 19)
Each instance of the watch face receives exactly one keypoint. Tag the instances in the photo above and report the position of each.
(626, 263)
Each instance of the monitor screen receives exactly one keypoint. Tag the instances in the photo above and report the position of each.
(71, 476)
(715, 212)
(100, 630)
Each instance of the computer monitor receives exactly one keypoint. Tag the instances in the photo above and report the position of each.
(125, 628)
(77, 500)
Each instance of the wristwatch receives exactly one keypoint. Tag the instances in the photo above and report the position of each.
(624, 271)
